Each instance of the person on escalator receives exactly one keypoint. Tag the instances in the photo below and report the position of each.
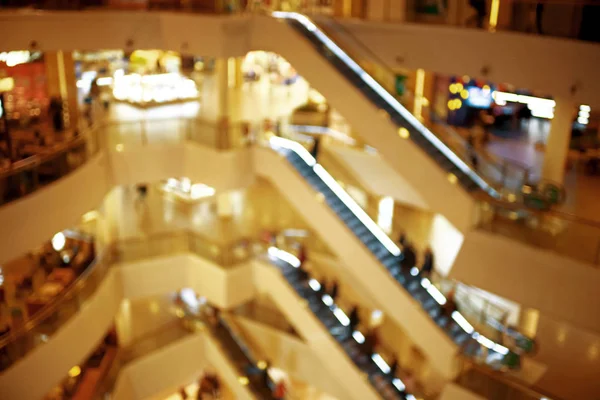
(427, 266)
(302, 254)
(371, 340)
(449, 307)
(333, 291)
(393, 367)
(280, 390)
(315, 148)
(402, 239)
(410, 257)
(354, 320)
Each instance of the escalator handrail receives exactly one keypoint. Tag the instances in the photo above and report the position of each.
(388, 98)
(279, 142)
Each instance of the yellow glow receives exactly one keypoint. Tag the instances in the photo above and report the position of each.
(180, 313)
(527, 189)
(451, 104)
(119, 147)
(243, 380)
(90, 216)
(7, 84)
(231, 72)
(464, 94)
(75, 371)
(385, 214)
(453, 89)
(261, 364)
(511, 197)
(486, 87)
(419, 88)
(154, 307)
(457, 104)
(459, 86)
(403, 133)
(495, 7)
(452, 178)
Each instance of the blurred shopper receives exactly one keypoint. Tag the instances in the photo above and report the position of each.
(449, 307)
(370, 343)
(402, 239)
(280, 390)
(393, 366)
(480, 8)
(354, 320)
(472, 154)
(333, 291)
(315, 148)
(410, 257)
(427, 266)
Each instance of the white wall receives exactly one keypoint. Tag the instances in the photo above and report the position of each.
(164, 370)
(226, 288)
(394, 300)
(527, 61)
(28, 222)
(558, 286)
(93, 30)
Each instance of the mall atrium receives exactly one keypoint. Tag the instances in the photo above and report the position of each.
(320, 200)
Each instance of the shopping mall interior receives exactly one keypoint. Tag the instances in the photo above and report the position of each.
(320, 200)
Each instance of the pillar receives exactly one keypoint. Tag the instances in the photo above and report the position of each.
(557, 147)
(224, 205)
(215, 103)
(61, 83)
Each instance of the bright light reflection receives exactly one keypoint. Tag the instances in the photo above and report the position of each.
(414, 271)
(380, 362)
(328, 300)
(358, 336)
(284, 256)
(399, 384)
(433, 291)
(411, 119)
(462, 322)
(341, 316)
(58, 241)
(314, 284)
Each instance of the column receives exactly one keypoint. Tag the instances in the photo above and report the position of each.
(557, 147)
(224, 205)
(215, 103)
(61, 84)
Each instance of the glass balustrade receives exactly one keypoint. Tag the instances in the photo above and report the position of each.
(33, 173)
(506, 204)
(39, 329)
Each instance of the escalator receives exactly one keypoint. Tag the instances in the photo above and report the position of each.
(258, 379)
(383, 100)
(388, 255)
(336, 323)
(235, 349)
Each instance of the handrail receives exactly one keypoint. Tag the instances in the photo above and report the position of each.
(101, 265)
(77, 286)
(37, 159)
(389, 70)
